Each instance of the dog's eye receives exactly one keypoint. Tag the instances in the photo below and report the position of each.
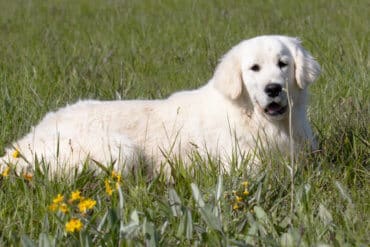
(255, 67)
(282, 64)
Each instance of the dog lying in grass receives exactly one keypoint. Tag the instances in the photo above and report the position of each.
(256, 99)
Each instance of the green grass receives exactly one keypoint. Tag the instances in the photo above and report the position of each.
(55, 52)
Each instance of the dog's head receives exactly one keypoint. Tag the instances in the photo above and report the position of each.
(268, 68)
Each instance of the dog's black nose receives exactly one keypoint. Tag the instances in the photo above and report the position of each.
(273, 89)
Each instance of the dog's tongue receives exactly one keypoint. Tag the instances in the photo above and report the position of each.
(274, 108)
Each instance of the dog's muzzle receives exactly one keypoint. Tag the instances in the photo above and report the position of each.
(275, 109)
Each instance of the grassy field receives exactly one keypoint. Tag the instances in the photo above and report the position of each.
(56, 52)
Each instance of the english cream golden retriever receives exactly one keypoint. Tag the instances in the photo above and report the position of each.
(256, 88)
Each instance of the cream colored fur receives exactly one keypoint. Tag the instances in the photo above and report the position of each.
(229, 109)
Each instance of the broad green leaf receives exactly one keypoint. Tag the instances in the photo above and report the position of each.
(132, 226)
(260, 213)
(252, 234)
(149, 233)
(27, 242)
(212, 220)
(197, 195)
(181, 228)
(85, 240)
(175, 203)
(121, 200)
(134, 217)
(219, 188)
(287, 240)
(325, 215)
(189, 225)
(44, 240)
(343, 192)
(102, 221)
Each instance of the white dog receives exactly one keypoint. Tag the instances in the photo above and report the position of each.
(257, 88)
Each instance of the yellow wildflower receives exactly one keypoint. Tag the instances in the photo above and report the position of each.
(58, 199)
(53, 207)
(5, 173)
(28, 176)
(116, 175)
(245, 192)
(74, 225)
(235, 206)
(108, 188)
(76, 195)
(239, 199)
(245, 183)
(16, 154)
(86, 204)
(63, 208)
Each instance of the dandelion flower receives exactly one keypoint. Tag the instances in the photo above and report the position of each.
(58, 199)
(63, 208)
(108, 188)
(86, 204)
(53, 207)
(76, 195)
(239, 199)
(116, 176)
(16, 154)
(245, 183)
(5, 173)
(74, 225)
(235, 206)
(245, 192)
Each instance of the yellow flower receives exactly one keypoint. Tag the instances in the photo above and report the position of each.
(116, 176)
(63, 208)
(74, 225)
(245, 183)
(108, 188)
(53, 207)
(16, 154)
(239, 199)
(245, 192)
(58, 199)
(28, 176)
(5, 173)
(235, 206)
(86, 204)
(76, 195)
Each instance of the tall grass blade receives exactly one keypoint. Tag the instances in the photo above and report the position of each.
(219, 188)
(44, 240)
(197, 195)
(149, 233)
(175, 203)
(343, 192)
(189, 225)
(27, 242)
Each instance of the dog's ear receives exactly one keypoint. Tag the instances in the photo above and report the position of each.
(228, 76)
(306, 68)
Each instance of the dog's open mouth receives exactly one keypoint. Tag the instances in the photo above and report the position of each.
(275, 109)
